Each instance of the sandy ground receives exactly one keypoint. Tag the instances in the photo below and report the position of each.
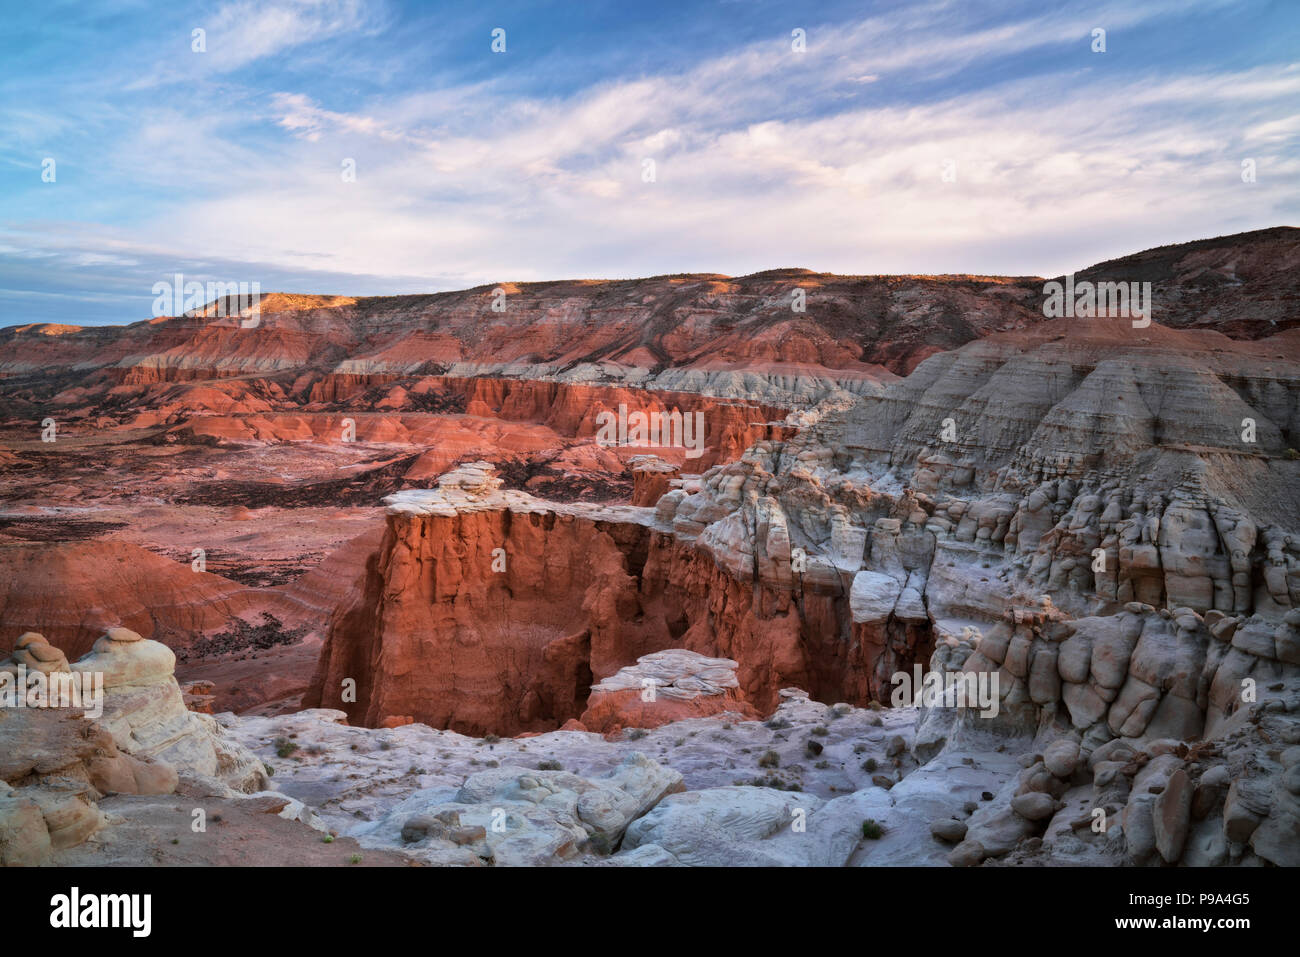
(158, 831)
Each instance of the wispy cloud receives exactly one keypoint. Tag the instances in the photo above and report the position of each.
(240, 33)
(832, 158)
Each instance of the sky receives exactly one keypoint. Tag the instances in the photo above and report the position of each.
(945, 137)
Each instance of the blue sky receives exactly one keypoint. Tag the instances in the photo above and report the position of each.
(479, 167)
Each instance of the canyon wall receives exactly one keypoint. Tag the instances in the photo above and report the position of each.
(489, 611)
(886, 527)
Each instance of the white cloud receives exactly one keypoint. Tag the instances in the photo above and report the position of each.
(756, 165)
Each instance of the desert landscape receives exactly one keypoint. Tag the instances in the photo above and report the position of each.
(402, 581)
(544, 470)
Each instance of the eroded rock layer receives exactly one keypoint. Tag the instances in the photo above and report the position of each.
(1141, 478)
(487, 610)
(1093, 528)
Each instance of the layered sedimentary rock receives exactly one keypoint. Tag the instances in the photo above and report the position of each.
(472, 613)
(146, 714)
(488, 610)
(71, 591)
(719, 428)
(651, 478)
(710, 334)
(575, 409)
(127, 731)
(1141, 479)
(664, 687)
(826, 555)
(1243, 290)
(704, 333)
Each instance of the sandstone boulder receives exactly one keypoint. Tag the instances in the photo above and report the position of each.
(665, 686)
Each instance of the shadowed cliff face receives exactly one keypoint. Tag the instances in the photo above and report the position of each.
(500, 618)
(485, 610)
(1098, 464)
(437, 634)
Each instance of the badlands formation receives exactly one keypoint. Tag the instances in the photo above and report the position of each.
(466, 632)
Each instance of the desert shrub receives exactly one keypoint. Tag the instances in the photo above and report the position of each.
(773, 782)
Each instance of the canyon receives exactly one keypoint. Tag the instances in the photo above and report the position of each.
(374, 546)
